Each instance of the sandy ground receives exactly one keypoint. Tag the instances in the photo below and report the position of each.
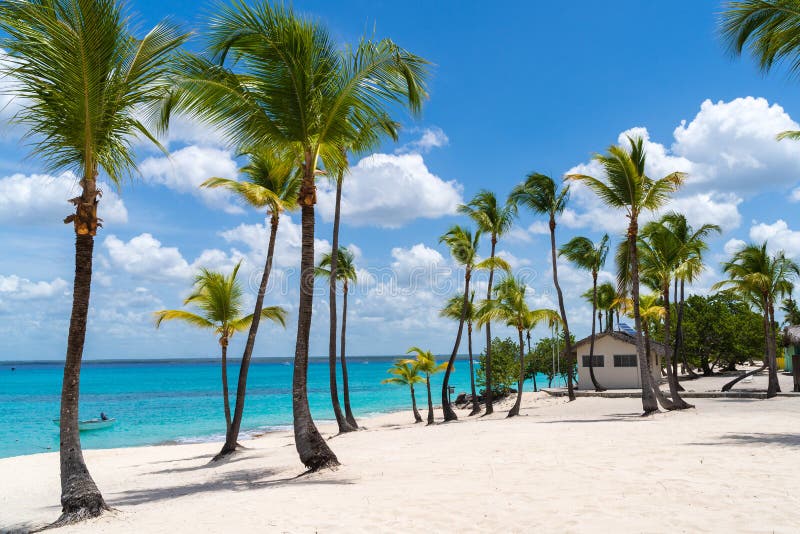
(592, 465)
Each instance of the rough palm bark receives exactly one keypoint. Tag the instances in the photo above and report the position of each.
(449, 413)
(679, 336)
(476, 406)
(241, 388)
(677, 402)
(597, 386)
(562, 310)
(348, 411)
(430, 399)
(417, 416)
(225, 397)
(521, 379)
(773, 387)
(765, 360)
(489, 393)
(341, 421)
(311, 447)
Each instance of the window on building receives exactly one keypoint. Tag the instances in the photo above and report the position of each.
(624, 360)
(598, 360)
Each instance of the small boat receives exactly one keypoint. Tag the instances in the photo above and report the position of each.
(91, 424)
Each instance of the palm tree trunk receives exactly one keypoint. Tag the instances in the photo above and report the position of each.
(773, 387)
(567, 339)
(677, 402)
(449, 414)
(225, 397)
(649, 402)
(675, 358)
(489, 393)
(80, 498)
(348, 412)
(476, 406)
(430, 399)
(232, 435)
(765, 358)
(597, 386)
(600, 320)
(521, 380)
(417, 416)
(312, 448)
(341, 421)
(679, 336)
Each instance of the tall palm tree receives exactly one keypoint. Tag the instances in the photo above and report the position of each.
(406, 374)
(540, 194)
(272, 182)
(752, 270)
(625, 185)
(591, 257)
(452, 310)
(85, 78)
(219, 301)
(293, 89)
(345, 273)
(509, 307)
(493, 219)
(426, 364)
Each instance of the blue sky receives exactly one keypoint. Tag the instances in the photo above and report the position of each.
(524, 87)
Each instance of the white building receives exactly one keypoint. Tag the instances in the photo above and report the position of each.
(616, 365)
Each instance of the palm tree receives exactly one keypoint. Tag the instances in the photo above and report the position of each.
(591, 257)
(406, 374)
(85, 78)
(509, 306)
(452, 310)
(272, 182)
(425, 363)
(219, 300)
(494, 220)
(752, 270)
(791, 311)
(606, 303)
(626, 186)
(345, 273)
(768, 29)
(294, 90)
(540, 194)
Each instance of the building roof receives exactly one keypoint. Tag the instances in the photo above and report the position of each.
(655, 346)
(791, 335)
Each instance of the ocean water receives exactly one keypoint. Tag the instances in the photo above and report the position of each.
(181, 401)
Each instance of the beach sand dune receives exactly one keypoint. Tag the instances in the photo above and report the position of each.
(592, 465)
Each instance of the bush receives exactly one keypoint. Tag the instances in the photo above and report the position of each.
(505, 367)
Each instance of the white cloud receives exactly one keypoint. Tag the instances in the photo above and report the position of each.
(733, 246)
(42, 199)
(433, 137)
(795, 196)
(513, 260)
(779, 237)
(188, 167)
(145, 257)
(17, 288)
(390, 191)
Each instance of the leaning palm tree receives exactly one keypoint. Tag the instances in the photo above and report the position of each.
(625, 185)
(754, 271)
(426, 364)
(540, 194)
(769, 30)
(493, 219)
(452, 310)
(406, 374)
(219, 301)
(272, 182)
(85, 79)
(293, 89)
(509, 307)
(345, 273)
(591, 257)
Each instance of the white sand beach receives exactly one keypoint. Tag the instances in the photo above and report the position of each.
(593, 465)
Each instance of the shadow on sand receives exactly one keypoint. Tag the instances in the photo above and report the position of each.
(758, 438)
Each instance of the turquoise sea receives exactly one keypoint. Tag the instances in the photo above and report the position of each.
(180, 401)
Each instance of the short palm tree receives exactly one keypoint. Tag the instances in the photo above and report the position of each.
(219, 300)
(406, 374)
(272, 182)
(493, 219)
(452, 310)
(591, 257)
(345, 273)
(293, 89)
(754, 271)
(791, 311)
(626, 186)
(606, 303)
(85, 78)
(509, 307)
(425, 363)
(540, 194)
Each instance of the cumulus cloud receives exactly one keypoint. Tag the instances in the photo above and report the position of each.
(779, 237)
(145, 257)
(795, 196)
(42, 199)
(185, 169)
(732, 246)
(16, 288)
(433, 137)
(389, 191)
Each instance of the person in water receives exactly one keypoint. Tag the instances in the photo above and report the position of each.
(103, 416)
